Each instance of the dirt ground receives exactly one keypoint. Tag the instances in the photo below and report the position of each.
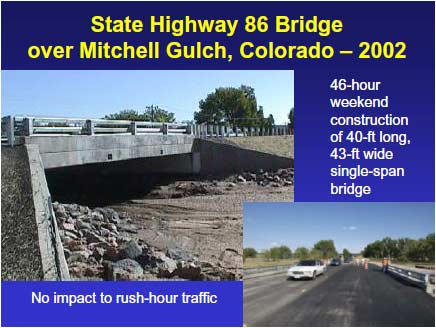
(277, 145)
(207, 226)
(21, 258)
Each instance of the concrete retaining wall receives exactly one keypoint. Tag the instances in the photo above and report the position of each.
(54, 265)
(221, 158)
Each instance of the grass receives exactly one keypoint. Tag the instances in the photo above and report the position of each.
(277, 145)
(259, 262)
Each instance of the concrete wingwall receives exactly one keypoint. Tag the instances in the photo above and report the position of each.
(53, 260)
(221, 158)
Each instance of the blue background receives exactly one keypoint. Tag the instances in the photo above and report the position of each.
(408, 82)
(18, 310)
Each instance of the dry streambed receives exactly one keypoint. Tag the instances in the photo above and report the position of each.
(185, 230)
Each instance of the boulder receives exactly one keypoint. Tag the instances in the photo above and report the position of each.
(130, 250)
(91, 237)
(166, 266)
(98, 253)
(83, 225)
(60, 211)
(111, 254)
(79, 256)
(189, 271)
(126, 269)
(69, 227)
(97, 216)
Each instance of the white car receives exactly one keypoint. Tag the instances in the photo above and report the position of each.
(306, 269)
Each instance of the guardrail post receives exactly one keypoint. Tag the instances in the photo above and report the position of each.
(429, 287)
(10, 130)
(28, 126)
(133, 127)
(164, 128)
(236, 131)
(90, 127)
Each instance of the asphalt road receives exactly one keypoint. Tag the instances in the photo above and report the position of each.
(345, 296)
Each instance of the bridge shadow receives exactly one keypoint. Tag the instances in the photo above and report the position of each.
(103, 184)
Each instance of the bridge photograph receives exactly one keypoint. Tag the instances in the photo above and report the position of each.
(139, 175)
(339, 264)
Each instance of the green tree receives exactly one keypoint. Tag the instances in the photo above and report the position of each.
(315, 253)
(233, 106)
(301, 253)
(291, 120)
(280, 252)
(346, 253)
(156, 114)
(249, 252)
(285, 252)
(275, 253)
(429, 247)
(326, 248)
(151, 114)
(402, 249)
(267, 254)
(127, 114)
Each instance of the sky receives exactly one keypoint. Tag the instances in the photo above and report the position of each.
(93, 94)
(350, 225)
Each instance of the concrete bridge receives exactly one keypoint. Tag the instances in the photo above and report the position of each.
(66, 142)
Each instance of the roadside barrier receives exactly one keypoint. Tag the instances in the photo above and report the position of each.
(15, 127)
(421, 279)
(255, 272)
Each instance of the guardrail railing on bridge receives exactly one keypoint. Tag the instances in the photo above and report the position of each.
(14, 127)
(422, 279)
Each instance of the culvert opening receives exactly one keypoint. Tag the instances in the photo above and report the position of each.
(105, 184)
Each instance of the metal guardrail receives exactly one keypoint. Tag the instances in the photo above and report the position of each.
(14, 127)
(272, 269)
(419, 278)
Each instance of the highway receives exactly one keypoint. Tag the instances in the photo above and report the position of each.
(345, 296)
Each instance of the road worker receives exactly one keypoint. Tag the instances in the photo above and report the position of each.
(385, 264)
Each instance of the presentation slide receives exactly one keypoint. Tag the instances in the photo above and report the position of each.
(217, 163)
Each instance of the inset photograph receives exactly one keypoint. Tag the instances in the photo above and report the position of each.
(339, 264)
(139, 175)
